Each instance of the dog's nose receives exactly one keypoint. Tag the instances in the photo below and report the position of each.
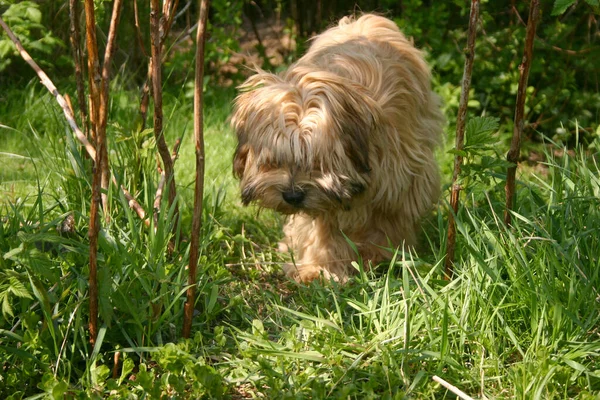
(293, 197)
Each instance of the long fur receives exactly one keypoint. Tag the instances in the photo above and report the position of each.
(348, 133)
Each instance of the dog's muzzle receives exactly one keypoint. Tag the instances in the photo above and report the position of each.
(293, 197)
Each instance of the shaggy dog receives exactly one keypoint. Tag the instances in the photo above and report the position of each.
(343, 143)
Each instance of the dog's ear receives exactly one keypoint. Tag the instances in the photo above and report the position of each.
(354, 112)
(357, 127)
(239, 159)
(355, 139)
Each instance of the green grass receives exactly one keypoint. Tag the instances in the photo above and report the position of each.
(520, 319)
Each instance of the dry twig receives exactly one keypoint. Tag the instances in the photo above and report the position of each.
(50, 86)
(161, 144)
(164, 28)
(94, 80)
(103, 110)
(75, 38)
(95, 154)
(169, 8)
(199, 182)
(515, 145)
(94, 76)
(553, 47)
(459, 393)
(68, 111)
(460, 134)
(161, 182)
(138, 31)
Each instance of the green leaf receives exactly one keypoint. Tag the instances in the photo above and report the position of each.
(212, 300)
(7, 310)
(478, 131)
(33, 13)
(560, 6)
(18, 289)
(13, 252)
(59, 390)
(128, 366)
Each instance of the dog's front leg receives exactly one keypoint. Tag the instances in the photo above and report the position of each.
(318, 248)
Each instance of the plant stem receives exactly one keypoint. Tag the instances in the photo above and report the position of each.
(519, 123)
(161, 144)
(94, 80)
(75, 38)
(199, 182)
(103, 111)
(45, 80)
(460, 135)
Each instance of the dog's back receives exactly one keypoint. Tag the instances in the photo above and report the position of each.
(370, 26)
(371, 43)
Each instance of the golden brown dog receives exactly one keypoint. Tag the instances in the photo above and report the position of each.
(343, 142)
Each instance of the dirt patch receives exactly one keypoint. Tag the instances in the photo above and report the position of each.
(267, 44)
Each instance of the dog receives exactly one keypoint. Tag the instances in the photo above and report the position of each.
(342, 143)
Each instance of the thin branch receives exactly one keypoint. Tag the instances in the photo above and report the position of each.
(519, 123)
(183, 10)
(138, 31)
(133, 203)
(169, 8)
(185, 35)
(145, 97)
(460, 134)
(94, 76)
(553, 47)
(199, 182)
(68, 111)
(75, 38)
(50, 86)
(164, 29)
(94, 79)
(459, 393)
(103, 111)
(161, 144)
(162, 181)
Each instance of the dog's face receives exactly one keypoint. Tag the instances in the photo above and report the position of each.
(303, 141)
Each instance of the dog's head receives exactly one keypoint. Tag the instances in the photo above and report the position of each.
(303, 141)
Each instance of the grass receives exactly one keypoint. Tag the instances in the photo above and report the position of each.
(521, 318)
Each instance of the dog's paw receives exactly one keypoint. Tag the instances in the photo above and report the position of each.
(307, 274)
(283, 247)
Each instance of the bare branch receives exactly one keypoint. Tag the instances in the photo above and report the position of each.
(164, 28)
(460, 134)
(94, 79)
(161, 144)
(199, 182)
(50, 86)
(459, 393)
(75, 38)
(94, 76)
(545, 43)
(138, 32)
(68, 111)
(145, 97)
(169, 8)
(133, 203)
(515, 145)
(103, 111)
(161, 182)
